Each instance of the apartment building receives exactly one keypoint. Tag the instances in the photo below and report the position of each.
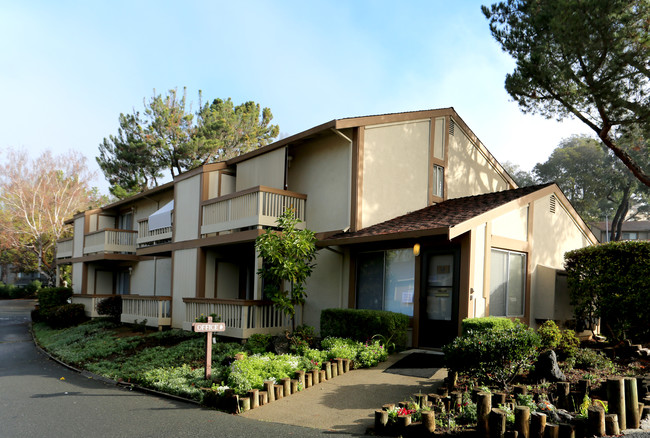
(411, 211)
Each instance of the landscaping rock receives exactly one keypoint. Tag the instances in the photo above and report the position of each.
(546, 368)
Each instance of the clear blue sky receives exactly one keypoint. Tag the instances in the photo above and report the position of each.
(69, 68)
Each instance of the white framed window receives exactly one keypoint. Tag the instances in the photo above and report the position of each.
(438, 181)
(507, 283)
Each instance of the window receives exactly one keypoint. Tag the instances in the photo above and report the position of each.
(630, 236)
(507, 283)
(438, 181)
(385, 280)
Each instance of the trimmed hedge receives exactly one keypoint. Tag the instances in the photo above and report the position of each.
(611, 281)
(480, 325)
(67, 315)
(50, 297)
(111, 306)
(363, 324)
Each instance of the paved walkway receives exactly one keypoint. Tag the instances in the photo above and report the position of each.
(347, 403)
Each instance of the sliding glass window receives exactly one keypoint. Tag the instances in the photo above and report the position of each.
(507, 283)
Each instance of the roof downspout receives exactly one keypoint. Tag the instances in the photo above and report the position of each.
(349, 206)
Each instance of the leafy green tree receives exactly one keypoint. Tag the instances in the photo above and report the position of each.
(225, 131)
(127, 160)
(582, 58)
(611, 282)
(597, 184)
(521, 177)
(288, 255)
(168, 137)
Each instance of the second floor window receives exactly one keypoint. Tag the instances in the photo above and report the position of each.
(438, 181)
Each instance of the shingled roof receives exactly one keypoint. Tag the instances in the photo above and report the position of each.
(438, 217)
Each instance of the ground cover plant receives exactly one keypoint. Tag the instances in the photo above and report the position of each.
(173, 361)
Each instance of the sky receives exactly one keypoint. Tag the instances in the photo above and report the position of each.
(69, 68)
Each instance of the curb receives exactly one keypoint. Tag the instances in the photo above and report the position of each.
(106, 380)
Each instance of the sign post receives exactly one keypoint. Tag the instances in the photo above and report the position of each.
(208, 327)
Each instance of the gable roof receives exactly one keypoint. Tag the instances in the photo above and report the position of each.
(628, 226)
(435, 219)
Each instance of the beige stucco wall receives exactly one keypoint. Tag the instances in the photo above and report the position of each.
(468, 171)
(228, 184)
(144, 208)
(184, 283)
(321, 170)
(227, 281)
(78, 242)
(186, 209)
(103, 222)
(513, 225)
(263, 170)
(395, 170)
(77, 277)
(327, 287)
(142, 277)
(553, 235)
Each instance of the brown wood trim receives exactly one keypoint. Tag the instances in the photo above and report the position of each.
(226, 301)
(391, 118)
(104, 256)
(255, 189)
(384, 237)
(198, 170)
(432, 139)
(219, 183)
(205, 186)
(84, 278)
(465, 273)
(445, 165)
(146, 297)
(65, 239)
(199, 222)
(529, 265)
(239, 237)
(153, 249)
(171, 284)
(356, 198)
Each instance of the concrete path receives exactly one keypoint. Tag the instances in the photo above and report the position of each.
(346, 404)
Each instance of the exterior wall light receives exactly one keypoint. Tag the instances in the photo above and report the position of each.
(416, 249)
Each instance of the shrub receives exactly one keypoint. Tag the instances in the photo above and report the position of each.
(495, 356)
(303, 337)
(549, 335)
(569, 344)
(370, 354)
(33, 287)
(340, 348)
(587, 359)
(111, 306)
(486, 323)
(50, 297)
(314, 359)
(611, 282)
(363, 324)
(258, 343)
(67, 315)
(251, 372)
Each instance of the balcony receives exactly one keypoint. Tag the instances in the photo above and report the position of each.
(256, 207)
(110, 240)
(64, 248)
(155, 310)
(243, 318)
(147, 237)
(90, 303)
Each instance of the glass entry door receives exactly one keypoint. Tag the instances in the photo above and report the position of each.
(439, 298)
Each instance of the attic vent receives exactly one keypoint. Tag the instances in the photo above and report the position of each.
(551, 206)
(452, 125)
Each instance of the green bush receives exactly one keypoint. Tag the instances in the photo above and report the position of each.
(495, 355)
(370, 354)
(67, 315)
(362, 324)
(342, 348)
(569, 344)
(33, 287)
(111, 307)
(303, 337)
(587, 359)
(612, 282)
(50, 297)
(258, 343)
(251, 372)
(550, 335)
(485, 323)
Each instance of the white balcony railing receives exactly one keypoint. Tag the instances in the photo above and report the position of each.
(110, 240)
(255, 207)
(155, 310)
(64, 248)
(147, 237)
(243, 318)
